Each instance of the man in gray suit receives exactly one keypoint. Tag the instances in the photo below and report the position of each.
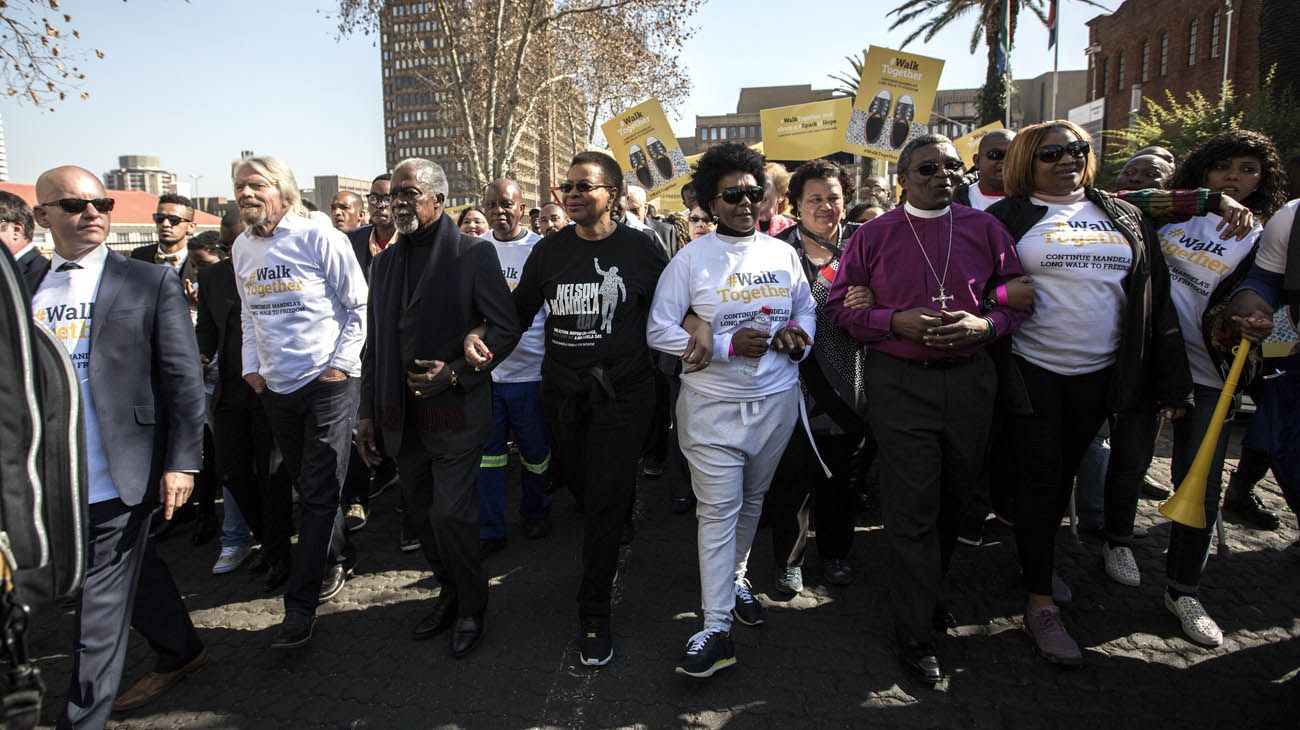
(115, 315)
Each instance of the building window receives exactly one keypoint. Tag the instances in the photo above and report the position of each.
(1191, 44)
(1105, 75)
(1119, 73)
(1164, 53)
(1146, 61)
(1214, 35)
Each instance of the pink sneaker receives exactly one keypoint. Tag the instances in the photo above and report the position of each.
(1050, 638)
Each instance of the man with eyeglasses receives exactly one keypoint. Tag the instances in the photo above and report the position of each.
(143, 441)
(17, 229)
(435, 411)
(984, 187)
(929, 380)
(369, 240)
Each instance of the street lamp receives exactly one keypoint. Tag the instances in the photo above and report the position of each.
(194, 186)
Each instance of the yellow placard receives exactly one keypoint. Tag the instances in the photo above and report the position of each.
(644, 144)
(893, 102)
(805, 131)
(968, 144)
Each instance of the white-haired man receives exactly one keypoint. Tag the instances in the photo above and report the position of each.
(303, 298)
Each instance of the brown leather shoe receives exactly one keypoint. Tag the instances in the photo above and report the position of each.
(154, 684)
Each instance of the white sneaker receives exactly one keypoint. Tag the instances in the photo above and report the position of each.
(1197, 624)
(1121, 566)
(230, 559)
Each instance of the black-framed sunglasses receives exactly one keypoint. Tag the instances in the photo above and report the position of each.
(377, 199)
(700, 219)
(733, 195)
(1049, 153)
(995, 155)
(78, 205)
(158, 218)
(928, 169)
(582, 186)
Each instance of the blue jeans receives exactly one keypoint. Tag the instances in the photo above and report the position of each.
(1190, 546)
(516, 407)
(1090, 489)
(234, 530)
(313, 427)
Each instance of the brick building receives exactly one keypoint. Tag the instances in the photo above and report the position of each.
(1148, 47)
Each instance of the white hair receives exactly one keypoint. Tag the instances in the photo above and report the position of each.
(279, 175)
(428, 172)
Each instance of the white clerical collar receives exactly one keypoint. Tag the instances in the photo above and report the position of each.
(92, 260)
(917, 212)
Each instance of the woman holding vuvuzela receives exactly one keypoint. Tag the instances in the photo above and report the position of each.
(1103, 332)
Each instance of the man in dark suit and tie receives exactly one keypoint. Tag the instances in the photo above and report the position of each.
(369, 240)
(174, 220)
(16, 230)
(143, 434)
(435, 412)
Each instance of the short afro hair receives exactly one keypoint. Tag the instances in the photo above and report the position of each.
(819, 169)
(925, 140)
(609, 167)
(721, 160)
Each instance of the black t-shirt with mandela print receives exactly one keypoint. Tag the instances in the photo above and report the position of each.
(598, 295)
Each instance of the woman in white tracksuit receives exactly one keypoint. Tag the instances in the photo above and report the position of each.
(736, 414)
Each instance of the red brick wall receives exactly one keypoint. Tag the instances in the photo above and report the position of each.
(1138, 21)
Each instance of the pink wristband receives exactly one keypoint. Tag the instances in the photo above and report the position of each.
(1001, 294)
(731, 350)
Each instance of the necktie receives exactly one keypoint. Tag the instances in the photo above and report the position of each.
(69, 266)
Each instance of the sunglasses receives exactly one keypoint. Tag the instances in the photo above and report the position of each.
(733, 195)
(158, 218)
(78, 205)
(700, 219)
(1049, 153)
(377, 199)
(995, 155)
(928, 169)
(582, 186)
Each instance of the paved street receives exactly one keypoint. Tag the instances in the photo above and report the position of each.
(823, 660)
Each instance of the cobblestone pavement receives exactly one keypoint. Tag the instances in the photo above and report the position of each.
(822, 660)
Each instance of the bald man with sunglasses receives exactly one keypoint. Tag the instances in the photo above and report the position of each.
(116, 315)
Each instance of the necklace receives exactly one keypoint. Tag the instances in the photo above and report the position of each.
(944, 297)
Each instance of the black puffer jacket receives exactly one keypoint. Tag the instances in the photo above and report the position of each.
(1152, 359)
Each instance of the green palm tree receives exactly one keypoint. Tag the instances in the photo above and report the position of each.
(928, 17)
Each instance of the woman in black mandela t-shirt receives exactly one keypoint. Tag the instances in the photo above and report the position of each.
(597, 279)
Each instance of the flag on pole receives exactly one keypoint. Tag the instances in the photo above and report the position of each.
(1003, 52)
(1053, 23)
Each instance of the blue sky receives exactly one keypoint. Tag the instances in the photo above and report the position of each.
(197, 82)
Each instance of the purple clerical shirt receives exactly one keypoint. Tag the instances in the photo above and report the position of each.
(883, 254)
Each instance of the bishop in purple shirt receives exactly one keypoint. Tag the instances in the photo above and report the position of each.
(931, 267)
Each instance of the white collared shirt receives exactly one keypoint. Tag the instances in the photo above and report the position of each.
(23, 251)
(303, 298)
(65, 303)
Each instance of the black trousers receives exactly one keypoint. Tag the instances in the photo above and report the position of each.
(801, 490)
(313, 427)
(598, 452)
(931, 427)
(249, 460)
(1050, 442)
(127, 585)
(441, 494)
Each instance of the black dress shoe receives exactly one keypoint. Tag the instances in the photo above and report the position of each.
(205, 529)
(922, 663)
(294, 632)
(260, 562)
(332, 582)
(942, 619)
(469, 629)
(276, 576)
(438, 620)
